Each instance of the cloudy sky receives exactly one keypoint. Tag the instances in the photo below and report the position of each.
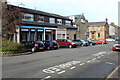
(94, 10)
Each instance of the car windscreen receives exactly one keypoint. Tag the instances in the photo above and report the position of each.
(38, 42)
(118, 42)
(69, 40)
(53, 41)
(82, 40)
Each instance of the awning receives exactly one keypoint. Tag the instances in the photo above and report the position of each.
(32, 27)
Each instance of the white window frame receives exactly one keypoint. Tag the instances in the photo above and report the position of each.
(39, 20)
(28, 15)
(52, 20)
(59, 21)
(67, 22)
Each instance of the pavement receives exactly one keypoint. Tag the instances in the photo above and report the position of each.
(92, 62)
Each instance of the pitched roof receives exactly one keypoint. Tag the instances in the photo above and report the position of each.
(96, 23)
(27, 10)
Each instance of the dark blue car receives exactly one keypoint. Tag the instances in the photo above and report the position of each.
(50, 44)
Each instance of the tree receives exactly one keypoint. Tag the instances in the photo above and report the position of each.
(11, 16)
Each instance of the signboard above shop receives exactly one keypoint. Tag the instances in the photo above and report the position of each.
(24, 30)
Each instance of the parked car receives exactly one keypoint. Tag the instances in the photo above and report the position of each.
(110, 39)
(78, 42)
(28, 45)
(51, 44)
(85, 43)
(66, 42)
(90, 42)
(33, 45)
(39, 45)
(116, 46)
(101, 41)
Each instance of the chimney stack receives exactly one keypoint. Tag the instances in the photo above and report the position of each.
(106, 20)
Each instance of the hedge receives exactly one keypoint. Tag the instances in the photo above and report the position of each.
(11, 46)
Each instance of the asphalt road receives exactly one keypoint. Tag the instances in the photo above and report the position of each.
(83, 62)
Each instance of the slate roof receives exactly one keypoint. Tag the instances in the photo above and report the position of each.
(96, 23)
(27, 10)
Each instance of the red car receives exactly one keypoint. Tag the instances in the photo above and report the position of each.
(100, 41)
(116, 46)
(66, 42)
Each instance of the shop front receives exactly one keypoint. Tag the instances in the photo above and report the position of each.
(35, 33)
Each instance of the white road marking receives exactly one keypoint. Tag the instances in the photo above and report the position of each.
(82, 64)
(46, 77)
(72, 67)
(112, 72)
(108, 53)
(102, 55)
(98, 57)
(94, 59)
(88, 61)
(57, 68)
(110, 63)
(99, 53)
(61, 72)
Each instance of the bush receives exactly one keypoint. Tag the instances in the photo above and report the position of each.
(11, 46)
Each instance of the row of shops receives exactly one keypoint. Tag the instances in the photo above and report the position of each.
(35, 33)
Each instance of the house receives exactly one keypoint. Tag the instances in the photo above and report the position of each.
(80, 22)
(38, 25)
(113, 30)
(98, 30)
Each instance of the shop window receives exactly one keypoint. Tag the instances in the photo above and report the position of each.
(52, 20)
(59, 21)
(32, 36)
(28, 17)
(39, 36)
(23, 36)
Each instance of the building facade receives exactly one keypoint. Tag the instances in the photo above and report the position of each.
(113, 30)
(38, 25)
(98, 30)
(80, 22)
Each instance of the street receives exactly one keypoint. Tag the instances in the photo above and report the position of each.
(83, 62)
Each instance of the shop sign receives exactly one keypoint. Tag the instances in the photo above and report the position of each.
(48, 30)
(40, 30)
(32, 29)
(24, 30)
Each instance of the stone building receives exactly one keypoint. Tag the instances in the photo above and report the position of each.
(80, 22)
(98, 30)
(113, 30)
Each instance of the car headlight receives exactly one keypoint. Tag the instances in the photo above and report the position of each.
(114, 46)
(72, 43)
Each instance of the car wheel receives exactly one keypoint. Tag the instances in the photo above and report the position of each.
(33, 49)
(82, 45)
(48, 48)
(70, 46)
(91, 44)
(102, 42)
